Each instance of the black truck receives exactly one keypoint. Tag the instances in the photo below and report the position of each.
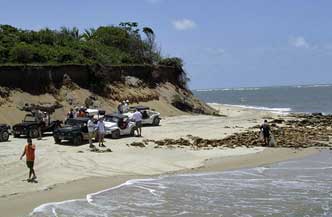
(4, 132)
(75, 130)
(29, 126)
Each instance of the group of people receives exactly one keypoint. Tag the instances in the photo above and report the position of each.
(123, 107)
(42, 119)
(96, 129)
(29, 149)
(96, 126)
(78, 112)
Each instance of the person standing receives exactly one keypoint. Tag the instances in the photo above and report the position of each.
(137, 118)
(101, 132)
(125, 106)
(77, 112)
(91, 130)
(39, 118)
(265, 128)
(120, 108)
(29, 153)
(71, 114)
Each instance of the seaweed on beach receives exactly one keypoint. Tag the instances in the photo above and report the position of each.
(301, 131)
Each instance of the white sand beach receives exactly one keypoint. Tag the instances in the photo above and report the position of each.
(67, 172)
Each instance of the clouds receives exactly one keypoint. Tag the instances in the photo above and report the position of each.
(184, 24)
(216, 51)
(299, 42)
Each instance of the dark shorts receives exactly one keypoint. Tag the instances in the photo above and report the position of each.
(138, 124)
(266, 134)
(30, 164)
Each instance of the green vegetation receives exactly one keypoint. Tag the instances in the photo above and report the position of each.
(123, 44)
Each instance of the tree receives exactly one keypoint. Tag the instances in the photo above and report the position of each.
(122, 44)
(88, 34)
(22, 53)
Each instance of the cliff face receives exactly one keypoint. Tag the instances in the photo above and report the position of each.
(96, 86)
(37, 79)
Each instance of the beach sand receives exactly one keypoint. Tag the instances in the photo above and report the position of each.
(66, 172)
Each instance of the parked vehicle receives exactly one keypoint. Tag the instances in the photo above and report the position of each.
(118, 125)
(150, 117)
(75, 130)
(4, 132)
(95, 112)
(29, 126)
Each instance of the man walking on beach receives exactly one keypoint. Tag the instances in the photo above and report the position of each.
(29, 152)
(265, 128)
(101, 132)
(137, 118)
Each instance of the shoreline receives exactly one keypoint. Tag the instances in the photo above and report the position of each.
(79, 189)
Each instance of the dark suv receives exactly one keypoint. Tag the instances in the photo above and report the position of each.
(4, 132)
(75, 130)
(29, 126)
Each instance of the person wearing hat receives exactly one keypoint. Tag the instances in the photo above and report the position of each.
(29, 153)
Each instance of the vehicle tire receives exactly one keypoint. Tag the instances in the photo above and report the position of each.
(116, 134)
(4, 136)
(77, 140)
(156, 121)
(33, 133)
(16, 135)
(57, 140)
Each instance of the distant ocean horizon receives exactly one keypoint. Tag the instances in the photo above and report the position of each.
(279, 99)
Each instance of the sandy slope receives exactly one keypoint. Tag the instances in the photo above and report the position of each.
(62, 164)
(158, 98)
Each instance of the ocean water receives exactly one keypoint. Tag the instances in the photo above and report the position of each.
(297, 188)
(283, 99)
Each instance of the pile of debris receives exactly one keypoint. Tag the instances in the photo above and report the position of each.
(305, 131)
(97, 150)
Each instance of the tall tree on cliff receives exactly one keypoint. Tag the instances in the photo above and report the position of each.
(153, 53)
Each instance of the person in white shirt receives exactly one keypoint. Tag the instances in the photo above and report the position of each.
(137, 118)
(91, 130)
(125, 106)
(101, 131)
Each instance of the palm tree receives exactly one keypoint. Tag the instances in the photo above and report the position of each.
(88, 34)
(72, 33)
(150, 42)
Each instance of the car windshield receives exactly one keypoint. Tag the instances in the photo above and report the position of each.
(73, 122)
(112, 119)
(29, 118)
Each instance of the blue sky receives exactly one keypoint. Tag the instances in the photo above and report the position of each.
(224, 43)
